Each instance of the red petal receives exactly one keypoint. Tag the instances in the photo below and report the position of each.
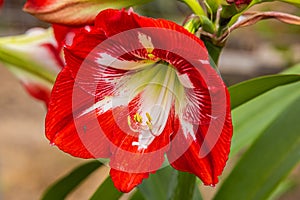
(115, 21)
(127, 157)
(207, 155)
(63, 34)
(124, 181)
(129, 166)
(77, 134)
(38, 91)
(83, 54)
(39, 3)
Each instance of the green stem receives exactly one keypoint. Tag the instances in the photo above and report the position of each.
(214, 51)
(185, 186)
(195, 6)
(192, 25)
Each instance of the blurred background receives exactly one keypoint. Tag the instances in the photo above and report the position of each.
(28, 164)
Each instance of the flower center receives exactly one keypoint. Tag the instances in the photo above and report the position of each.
(159, 88)
(139, 125)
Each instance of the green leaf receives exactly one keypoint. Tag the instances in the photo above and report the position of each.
(283, 188)
(185, 186)
(159, 185)
(195, 7)
(292, 70)
(137, 196)
(253, 117)
(197, 194)
(67, 184)
(245, 91)
(213, 5)
(268, 161)
(107, 190)
(165, 183)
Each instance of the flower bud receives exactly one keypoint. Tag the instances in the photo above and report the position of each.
(239, 2)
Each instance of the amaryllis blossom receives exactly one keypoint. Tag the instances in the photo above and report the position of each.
(73, 12)
(135, 89)
(34, 58)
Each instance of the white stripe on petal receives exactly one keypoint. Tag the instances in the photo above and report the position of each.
(185, 80)
(110, 61)
(187, 129)
(103, 105)
(205, 62)
(146, 41)
(106, 104)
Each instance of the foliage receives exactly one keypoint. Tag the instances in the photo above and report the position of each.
(265, 110)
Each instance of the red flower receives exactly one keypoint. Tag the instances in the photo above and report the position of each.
(135, 89)
(239, 2)
(73, 12)
(39, 52)
(39, 60)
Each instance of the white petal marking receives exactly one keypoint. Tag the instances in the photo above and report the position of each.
(187, 129)
(146, 41)
(205, 62)
(69, 38)
(104, 105)
(185, 80)
(110, 61)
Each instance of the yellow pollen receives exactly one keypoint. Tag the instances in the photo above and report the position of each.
(138, 118)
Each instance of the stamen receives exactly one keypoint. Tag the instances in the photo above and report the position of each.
(139, 126)
(148, 117)
(130, 125)
(149, 124)
(138, 118)
(129, 120)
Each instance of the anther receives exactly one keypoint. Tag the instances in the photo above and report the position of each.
(149, 124)
(148, 117)
(138, 118)
(129, 120)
